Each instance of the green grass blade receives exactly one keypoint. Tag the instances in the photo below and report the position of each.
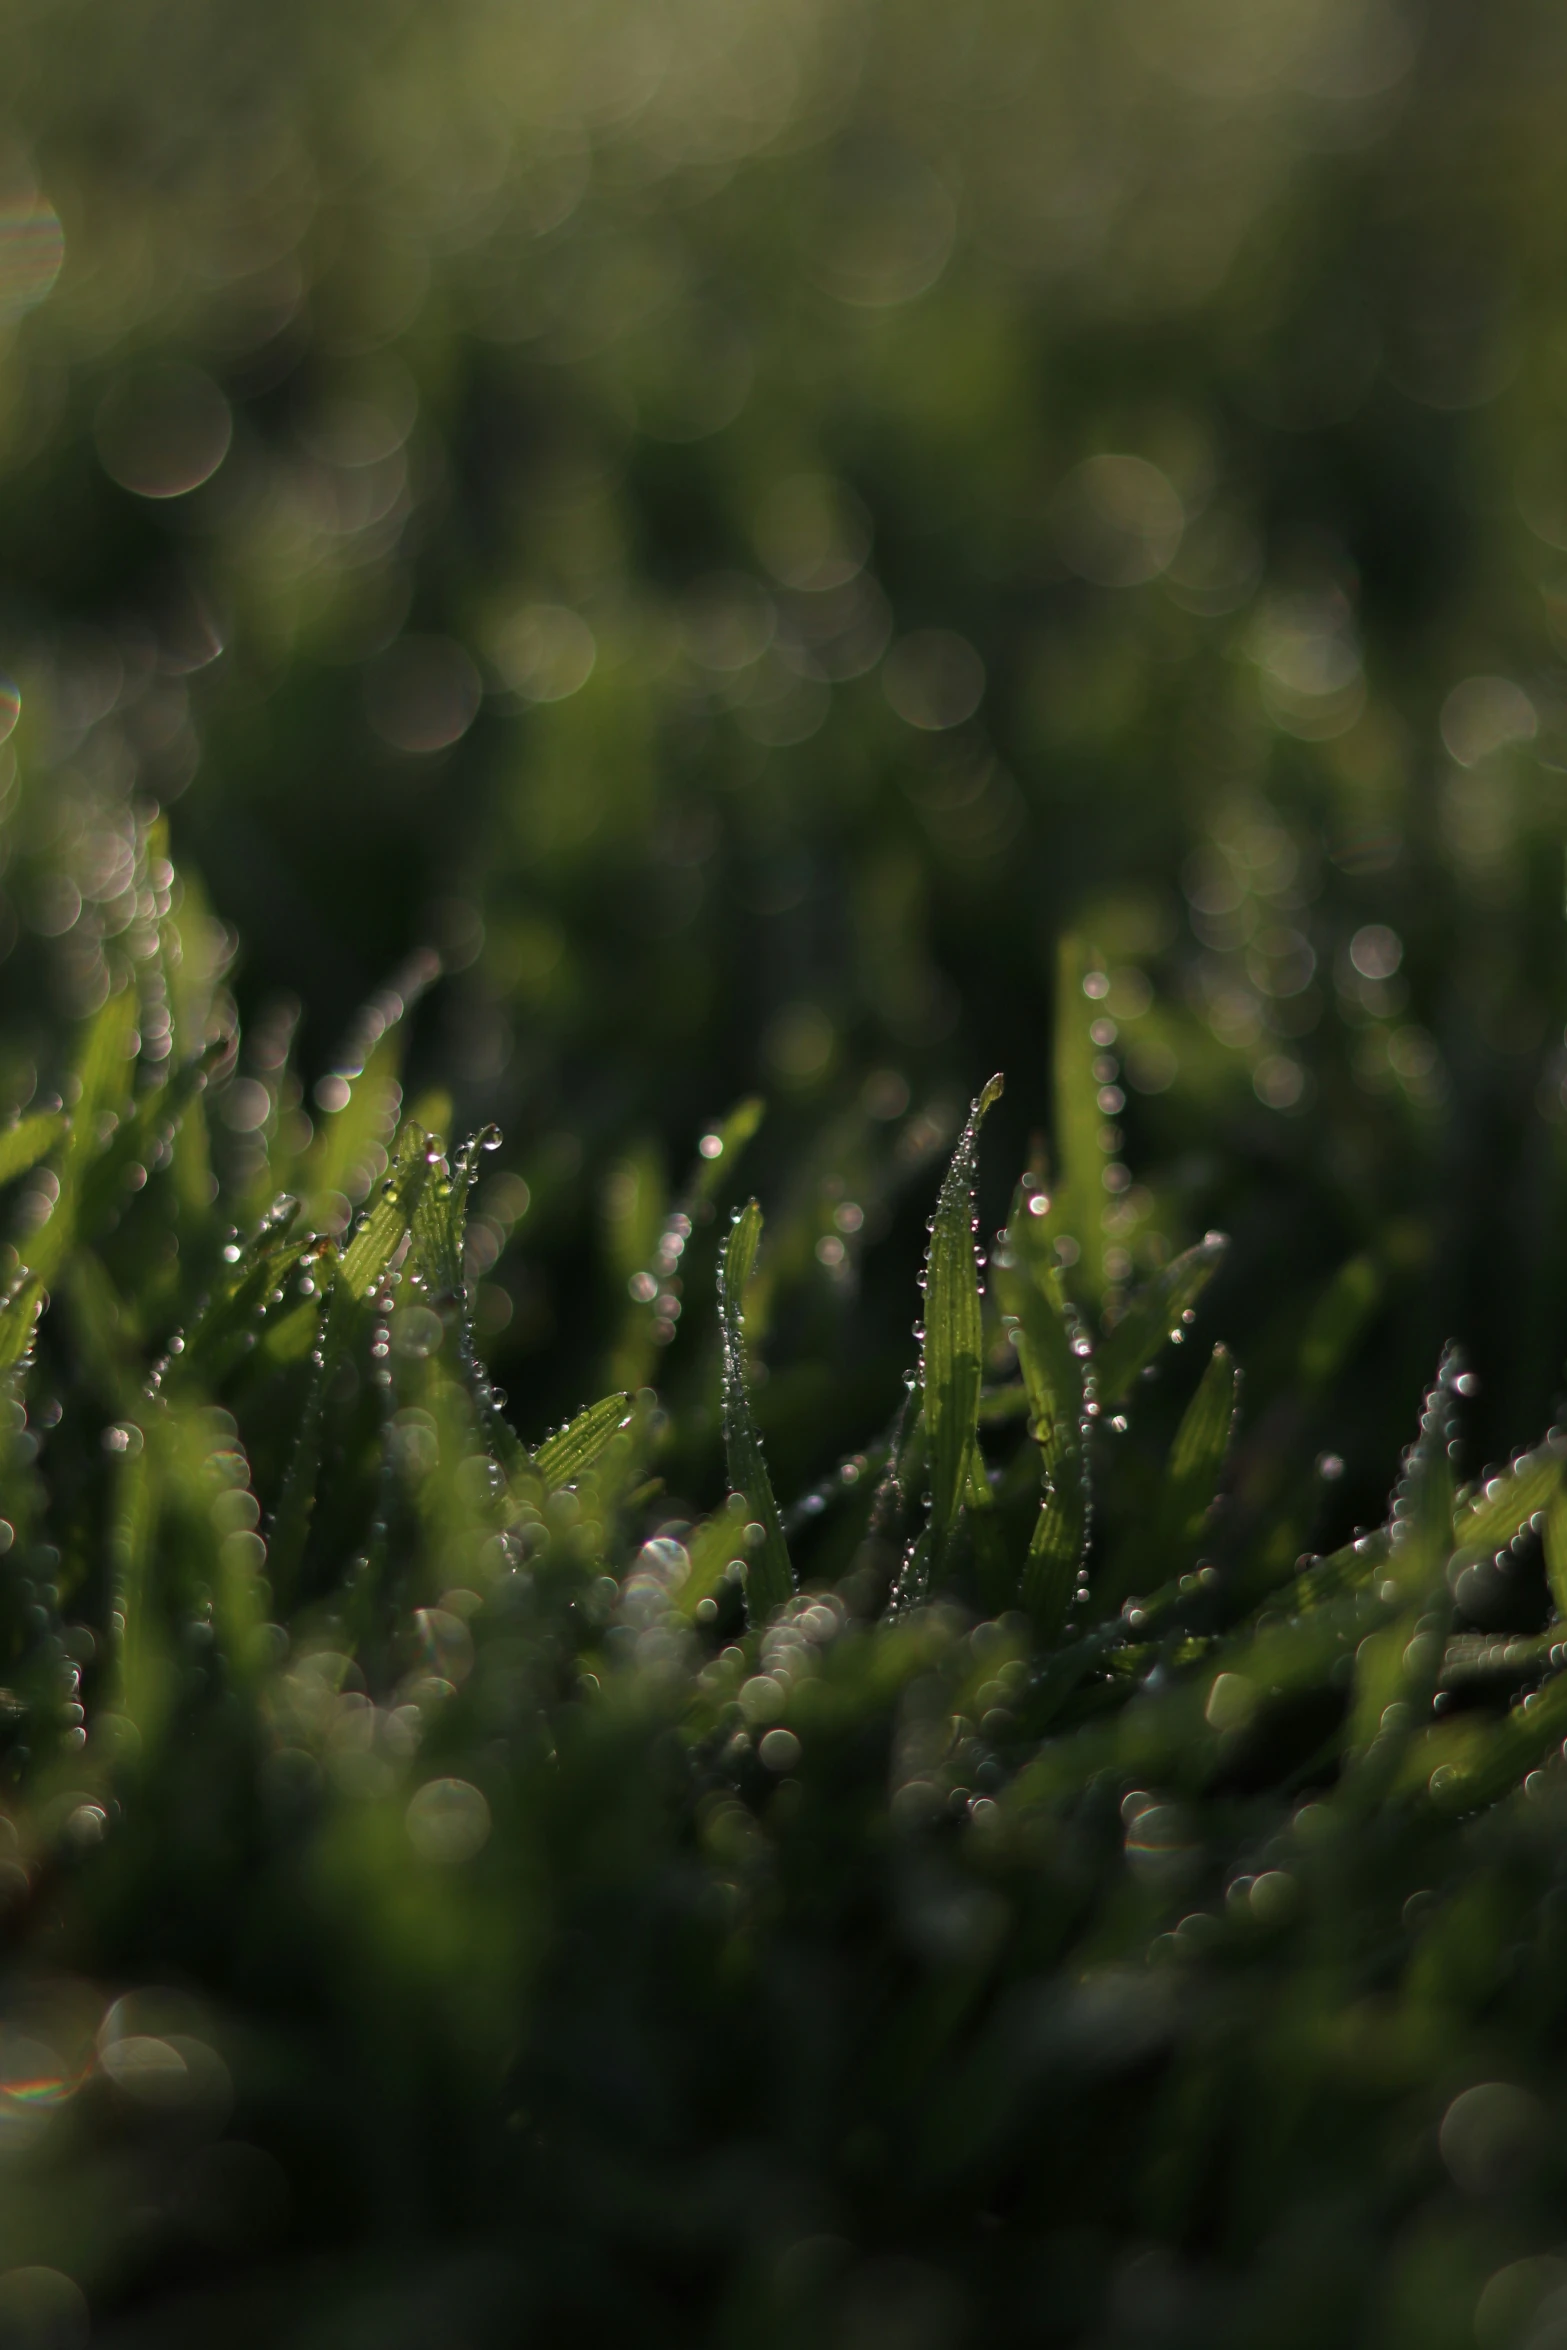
(18, 1320)
(952, 1349)
(771, 1578)
(1197, 1455)
(1153, 1317)
(369, 1253)
(1059, 1385)
(103, 1092)
(1530, 1485)
(230, 1319)
(1057, 1547)
(440, 1223)
(141, 1138)
(1321, 1581)
(194, 951)
(28, 1141)
(1421, 1524)
(1046, 1340)
(139, 1670)
(1556, 1548)
(1078, 1205)
(350, 1142)
(581, 1442)
(1338, 1318)
(381, 1228)
(440, 1230)
(1499, 1757)
(1396, 1668)
(711, 1548)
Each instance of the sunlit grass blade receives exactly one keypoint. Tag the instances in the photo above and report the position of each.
(1397, 1666)
(1481, 1760)
(441, 1218)
(439, 1227)
(229, 1322)
(770, 1580)
(28, 1141)
(391, 1214)
(139, 1671)
(18, 1320)
(1152, 1317)
(712, 1549)
(574, 1448)
(1421, 1521)
(103, 1079)
(952, 1348)
(351, 1141)
(1197, 1455)
(635, 1201)
(1047, 1339)
(1320, 1581)
(194, 951)
(1529, 1485)
(1057, 1547)
(1059, 1384)
(369, 1253)
(1556, 1547)
(142, 1138)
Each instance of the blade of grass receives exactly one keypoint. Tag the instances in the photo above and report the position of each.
(1338, 1318)
(349, 1141)
(952, 1347)
(770, 1581)
(381, 1227)
(369, 1253)
(1396, 1667)
(1492, 1518)
(18, 1320)
(144, 1136)
(28, 1141)
(103, 1089)
(440, 1227)
(229, 1320)
(574, 1448)
(1556, 1548)
(1153, 1317)
(1053, 1358)
(1197, 1455)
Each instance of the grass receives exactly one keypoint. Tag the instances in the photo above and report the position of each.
(909, 1786)
(468, 1883)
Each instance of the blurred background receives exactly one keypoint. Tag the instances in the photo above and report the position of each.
(738, 522)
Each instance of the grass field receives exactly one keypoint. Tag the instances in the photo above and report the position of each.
(673, 1672)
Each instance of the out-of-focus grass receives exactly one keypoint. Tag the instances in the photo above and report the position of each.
(737, 526)
(459, 1886)
(659, 555)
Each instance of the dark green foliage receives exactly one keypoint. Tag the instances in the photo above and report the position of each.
(600, 413)
(450, 1880)
(656, 548)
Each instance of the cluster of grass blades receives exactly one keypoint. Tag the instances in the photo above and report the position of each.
(456, 1891)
